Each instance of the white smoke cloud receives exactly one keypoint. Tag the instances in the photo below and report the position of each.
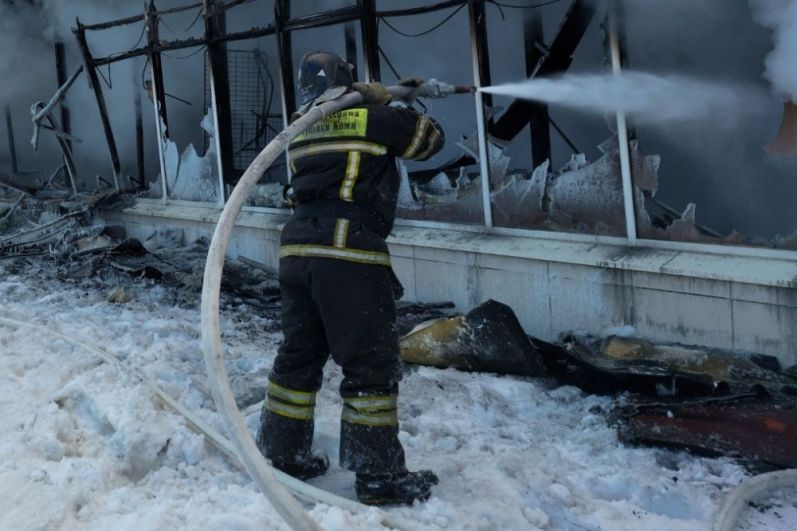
(23, 43)
(781, 64)
(27, 69)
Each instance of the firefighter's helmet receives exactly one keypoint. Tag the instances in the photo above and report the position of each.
(323, 72)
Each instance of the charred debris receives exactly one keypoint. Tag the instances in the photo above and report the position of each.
(709, 401)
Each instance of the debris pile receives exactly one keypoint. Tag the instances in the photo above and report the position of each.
(747, 426)
(53, 224)
(711, 401)
(619, 363)
(489, 338)
(581, 196)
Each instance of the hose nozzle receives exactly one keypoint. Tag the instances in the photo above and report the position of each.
(434, 88)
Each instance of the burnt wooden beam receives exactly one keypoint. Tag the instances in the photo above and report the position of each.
(538, 117)
(282, 13)
(157, 93)
(167, 46)
(12, 147)
(419, 10)
(94, 84)
(309, 21)
(138, 18)
(351, 49)
(370, 37)
(60, 70)
(55, 100)
(157, 90)
(559, 58)
(224, 6)
(66, 148)
(325, 18)
(216, 24)
(142, 173)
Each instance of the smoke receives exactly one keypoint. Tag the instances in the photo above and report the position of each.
(28, 31)
(650, 98)
(781, 64)
(22, 36)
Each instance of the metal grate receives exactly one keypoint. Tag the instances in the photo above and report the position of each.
(253, 98)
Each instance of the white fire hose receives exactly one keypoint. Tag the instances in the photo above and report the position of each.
(737, 500)
(219, 441)
(254, 463)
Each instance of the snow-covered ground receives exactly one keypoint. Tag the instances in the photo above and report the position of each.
(84, 445)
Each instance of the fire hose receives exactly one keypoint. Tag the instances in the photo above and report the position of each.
(726, 520)
(253, 461)
(728, 516)
(195, 422)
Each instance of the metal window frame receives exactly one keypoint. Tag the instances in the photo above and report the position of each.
(282, 29)
(630, 239)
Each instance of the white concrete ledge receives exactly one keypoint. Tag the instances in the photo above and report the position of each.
(555, 283)
(764, 271)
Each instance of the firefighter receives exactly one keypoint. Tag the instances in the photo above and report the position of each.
(338, 288)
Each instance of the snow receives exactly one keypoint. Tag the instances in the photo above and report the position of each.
(85, 445)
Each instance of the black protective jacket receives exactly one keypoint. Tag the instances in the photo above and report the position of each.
(346, 183)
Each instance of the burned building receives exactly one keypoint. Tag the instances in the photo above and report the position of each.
(668, 216)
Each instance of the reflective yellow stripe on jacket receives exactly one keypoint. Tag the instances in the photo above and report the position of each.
(341, 253)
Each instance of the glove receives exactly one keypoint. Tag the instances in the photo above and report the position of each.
(373, 93)
(413, 82)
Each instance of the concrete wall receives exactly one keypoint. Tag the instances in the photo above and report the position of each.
(747, 303)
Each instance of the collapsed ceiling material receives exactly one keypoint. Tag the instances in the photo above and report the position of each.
(686, 397)
(489, 338)
(754, 428)
(47, 224)
(606, 365)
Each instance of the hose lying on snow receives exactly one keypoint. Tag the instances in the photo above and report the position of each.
(737, 500)
(254, 463)
(726, 520)
(294, 486)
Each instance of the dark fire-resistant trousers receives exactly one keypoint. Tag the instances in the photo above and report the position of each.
(347, 310)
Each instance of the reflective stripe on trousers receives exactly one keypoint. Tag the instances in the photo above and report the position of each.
(291, 403)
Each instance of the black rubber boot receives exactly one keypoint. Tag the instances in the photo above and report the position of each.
(400, 487)
(287, 443)
(306, 467)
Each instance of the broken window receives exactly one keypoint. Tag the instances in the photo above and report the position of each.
(552, 168)
(255, 100)
(702, 176)
(255, 97)
(447, 187)
(189, 175)
(719, 182)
